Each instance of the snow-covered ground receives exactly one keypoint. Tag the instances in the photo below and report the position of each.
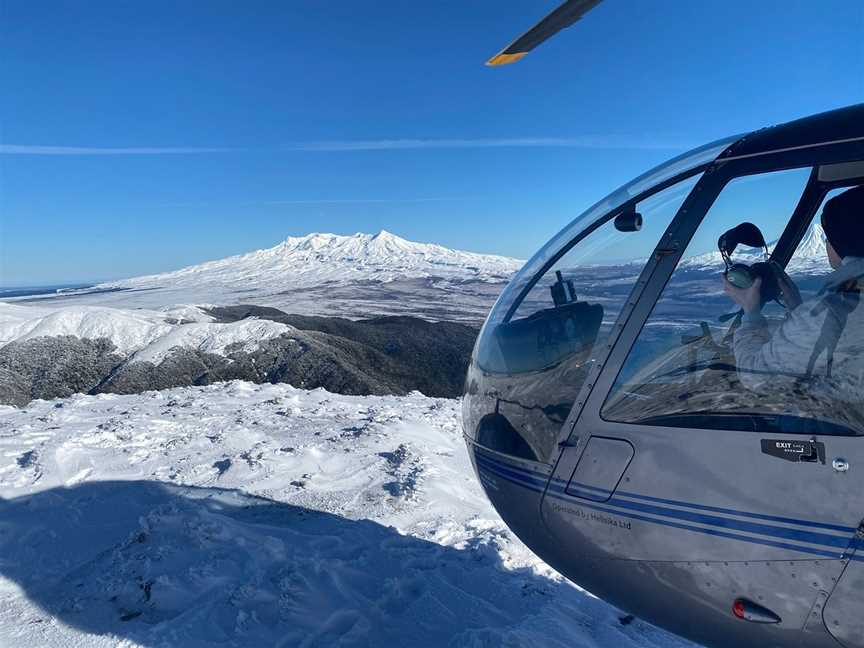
(264, 515)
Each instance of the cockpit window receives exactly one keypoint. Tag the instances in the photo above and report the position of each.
(705, 360)
(679, 166)
(536, 348)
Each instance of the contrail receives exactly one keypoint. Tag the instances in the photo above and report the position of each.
(609, 142)
(587, 141)
(31, 149)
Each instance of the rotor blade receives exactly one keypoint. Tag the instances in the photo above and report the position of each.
(564, 16)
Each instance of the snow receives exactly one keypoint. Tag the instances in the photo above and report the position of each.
(317, 258)
(263, 515)
(145, 335)
(811, 255)
(128, 330)
(355, 276)
(212, 338)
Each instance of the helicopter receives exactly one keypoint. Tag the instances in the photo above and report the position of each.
(613, 428)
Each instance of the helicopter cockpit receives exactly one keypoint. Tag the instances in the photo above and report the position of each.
(655, 441)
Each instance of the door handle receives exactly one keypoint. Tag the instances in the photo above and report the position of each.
(812, 456)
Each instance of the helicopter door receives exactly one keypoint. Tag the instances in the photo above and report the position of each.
(732, 461)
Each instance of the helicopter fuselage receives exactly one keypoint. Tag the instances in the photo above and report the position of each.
(638, 459)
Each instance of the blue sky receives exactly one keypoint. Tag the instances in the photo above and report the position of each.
(245, 123)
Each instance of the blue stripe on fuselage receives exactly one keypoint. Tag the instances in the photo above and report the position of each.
(537, 482)
(701, 507)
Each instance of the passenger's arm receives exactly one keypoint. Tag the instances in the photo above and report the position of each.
(761, 355)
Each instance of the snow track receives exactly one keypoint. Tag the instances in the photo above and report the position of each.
(264, 515)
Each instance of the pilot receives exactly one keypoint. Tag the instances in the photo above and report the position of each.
(820, 337)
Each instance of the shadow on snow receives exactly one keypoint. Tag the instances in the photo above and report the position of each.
(162, 564)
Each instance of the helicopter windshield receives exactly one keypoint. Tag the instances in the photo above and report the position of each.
(543, 334)
(561, 242)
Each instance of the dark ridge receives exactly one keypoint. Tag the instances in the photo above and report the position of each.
(416, 354)
(384, 355)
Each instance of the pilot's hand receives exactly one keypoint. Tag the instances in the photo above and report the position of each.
(791, 294)
(749, 299)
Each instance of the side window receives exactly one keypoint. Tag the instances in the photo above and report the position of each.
(693, 365)
(535, 350)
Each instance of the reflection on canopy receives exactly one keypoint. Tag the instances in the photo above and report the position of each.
(545, 332)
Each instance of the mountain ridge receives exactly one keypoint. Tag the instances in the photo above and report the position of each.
(101, 350)
(353, 276)
(379, 257)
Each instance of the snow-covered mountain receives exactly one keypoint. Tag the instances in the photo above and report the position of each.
(809, 258)
(319, 258)
(262, 515)
(325, 274)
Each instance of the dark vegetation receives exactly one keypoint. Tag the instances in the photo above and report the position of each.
(384, 355)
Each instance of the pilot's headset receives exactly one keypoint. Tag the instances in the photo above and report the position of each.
(742, 275)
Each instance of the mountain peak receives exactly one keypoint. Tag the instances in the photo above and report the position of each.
(321, 257)
(316, 240)
(813, 243)
(811, 255)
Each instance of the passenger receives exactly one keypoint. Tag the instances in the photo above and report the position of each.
(821, 337)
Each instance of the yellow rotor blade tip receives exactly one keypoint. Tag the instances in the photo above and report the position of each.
(505, 59)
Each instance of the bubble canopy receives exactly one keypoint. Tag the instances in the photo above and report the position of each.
(534, 349)
(687, 162)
